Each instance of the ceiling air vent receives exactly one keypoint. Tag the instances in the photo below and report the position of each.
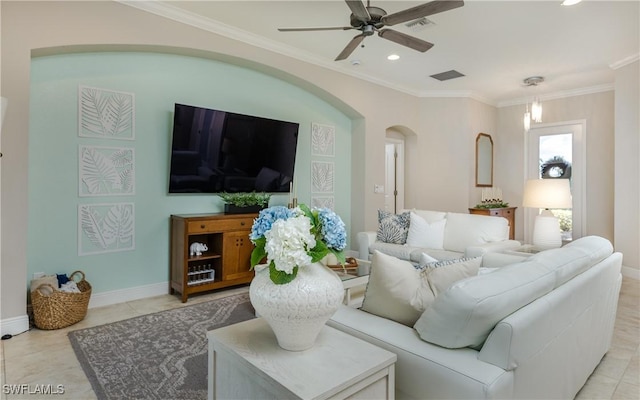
(419, 24)
(445, 76)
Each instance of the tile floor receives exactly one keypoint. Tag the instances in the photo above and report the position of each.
(46, 357)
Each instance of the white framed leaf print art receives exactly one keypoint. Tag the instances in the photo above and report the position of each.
(323, 202)
(323, 140)
(106, 171)
(105, 114)
(105, 228)
(322, 177)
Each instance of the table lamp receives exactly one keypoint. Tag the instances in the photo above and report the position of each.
(547, 194)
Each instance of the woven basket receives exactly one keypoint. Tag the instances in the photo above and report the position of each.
(60, 309)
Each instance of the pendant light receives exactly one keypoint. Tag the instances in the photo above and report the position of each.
(536, 107)
(527, 118)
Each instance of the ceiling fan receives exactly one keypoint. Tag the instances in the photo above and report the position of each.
(370, 20)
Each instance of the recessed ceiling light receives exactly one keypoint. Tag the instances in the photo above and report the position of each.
(393, 57)
(570, 2)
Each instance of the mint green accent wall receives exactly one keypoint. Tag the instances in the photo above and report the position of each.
(157, 81)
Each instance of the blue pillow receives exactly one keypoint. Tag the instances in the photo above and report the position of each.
(393, 228)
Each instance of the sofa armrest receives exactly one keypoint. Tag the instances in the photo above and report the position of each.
(365, 239)
(480, 249)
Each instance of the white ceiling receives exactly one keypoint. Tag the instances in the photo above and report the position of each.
(495, 44)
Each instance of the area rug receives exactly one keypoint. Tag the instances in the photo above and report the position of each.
(156, 356)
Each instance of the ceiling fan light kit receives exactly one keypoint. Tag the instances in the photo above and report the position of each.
(370, 20)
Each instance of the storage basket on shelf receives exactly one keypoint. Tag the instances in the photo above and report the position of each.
(58, 309)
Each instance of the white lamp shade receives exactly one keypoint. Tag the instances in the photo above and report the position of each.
(547, 193)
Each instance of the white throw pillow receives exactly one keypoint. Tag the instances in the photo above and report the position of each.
(395, 290)
(425, 234)
(400, 292)
(442, 274)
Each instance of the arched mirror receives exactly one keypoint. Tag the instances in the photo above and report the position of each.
(484, 160)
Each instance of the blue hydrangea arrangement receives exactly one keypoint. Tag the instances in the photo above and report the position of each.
(294, 238)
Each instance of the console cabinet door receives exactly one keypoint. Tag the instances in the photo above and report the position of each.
(236, 259)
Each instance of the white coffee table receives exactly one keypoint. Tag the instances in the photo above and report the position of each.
(245, 362)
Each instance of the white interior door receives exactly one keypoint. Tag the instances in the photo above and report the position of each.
(394, 175)
(548, 148)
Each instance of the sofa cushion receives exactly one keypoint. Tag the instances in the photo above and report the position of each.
(415, 254)
(428, 215)
(426, 259)
(574, 258)
(466, 313)
(424, 234)
(396, 250)
(465, 230)
(393, 228)
(400, 292)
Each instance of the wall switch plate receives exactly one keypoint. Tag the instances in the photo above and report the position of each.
(378, 188)
(37, 275)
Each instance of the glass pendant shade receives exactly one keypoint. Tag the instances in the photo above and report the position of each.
(527, 121)
(536, 111)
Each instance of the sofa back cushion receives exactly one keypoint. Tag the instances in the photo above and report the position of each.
(465, 314)
(464, 230)
(575, 258)
(428, 215)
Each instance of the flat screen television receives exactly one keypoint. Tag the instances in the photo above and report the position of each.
(215, 151)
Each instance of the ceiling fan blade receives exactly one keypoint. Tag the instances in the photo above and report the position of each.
(351, 46)
(405, 40)
(332, 28)
(420, 11)
(359, 10)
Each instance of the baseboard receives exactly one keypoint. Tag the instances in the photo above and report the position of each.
(129, 294)
(633, 273)
(15, 325)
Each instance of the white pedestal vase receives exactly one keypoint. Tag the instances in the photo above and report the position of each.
(298, 310)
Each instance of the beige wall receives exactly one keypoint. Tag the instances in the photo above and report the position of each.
(627, 166)
(440, 158)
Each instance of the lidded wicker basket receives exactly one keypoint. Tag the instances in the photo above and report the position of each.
(53, 309)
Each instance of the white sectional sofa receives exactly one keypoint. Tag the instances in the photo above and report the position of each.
(442, 235)
(532, 329)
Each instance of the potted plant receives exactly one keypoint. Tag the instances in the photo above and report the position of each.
(240, 203)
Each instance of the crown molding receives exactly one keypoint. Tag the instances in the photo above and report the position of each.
(188, 18)
(456, 94)
(180, 15)
(625, 61)
(558, 95)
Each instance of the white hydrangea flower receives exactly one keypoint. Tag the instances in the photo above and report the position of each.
(288, 241)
